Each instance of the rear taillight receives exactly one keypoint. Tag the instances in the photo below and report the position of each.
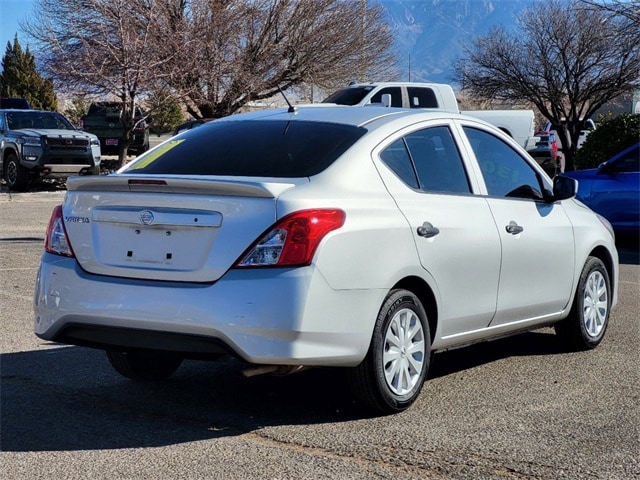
(57, 241)
(293, 240)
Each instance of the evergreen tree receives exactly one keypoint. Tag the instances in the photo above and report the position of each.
(166, 112)
(78, 109)
(19, 78)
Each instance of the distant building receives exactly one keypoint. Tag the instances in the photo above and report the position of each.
(627, 103)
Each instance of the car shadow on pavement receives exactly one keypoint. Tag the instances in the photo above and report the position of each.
(69, 398)
(539, 342)
(41, 185)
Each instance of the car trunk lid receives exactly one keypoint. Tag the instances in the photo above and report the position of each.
(170, 229)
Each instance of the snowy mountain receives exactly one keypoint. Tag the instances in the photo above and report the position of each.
(431, 34)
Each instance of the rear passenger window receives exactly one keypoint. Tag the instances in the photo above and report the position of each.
(421, 97)
(397, 159)
(428, 160)
(437, 161)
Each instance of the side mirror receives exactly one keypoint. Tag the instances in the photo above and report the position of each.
(564, 187)
(386, 100)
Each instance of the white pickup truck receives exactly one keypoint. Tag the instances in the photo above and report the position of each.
(519, 124)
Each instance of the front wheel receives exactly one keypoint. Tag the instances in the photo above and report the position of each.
(16, 176)
(141, 365)
(391, 376)
(587, 322)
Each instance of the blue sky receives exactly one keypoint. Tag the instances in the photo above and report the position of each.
(11, 13)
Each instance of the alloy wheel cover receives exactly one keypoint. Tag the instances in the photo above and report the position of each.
(595, 304)
(404, 352)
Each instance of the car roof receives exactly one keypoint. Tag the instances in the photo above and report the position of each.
(107, 103)
(394, 84)
(358, 116)
(27, 111)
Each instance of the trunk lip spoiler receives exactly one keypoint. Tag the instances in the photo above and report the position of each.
(228, 186)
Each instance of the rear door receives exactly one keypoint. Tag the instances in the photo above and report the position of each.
(396, 96)
(422, 97)
(453, 230)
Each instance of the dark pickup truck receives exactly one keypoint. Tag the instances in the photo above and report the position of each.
(40, 144)
(103, 120)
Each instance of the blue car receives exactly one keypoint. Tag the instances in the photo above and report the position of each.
(613, 189)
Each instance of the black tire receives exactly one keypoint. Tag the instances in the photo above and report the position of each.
(389, 379)
(16, 176)
(587, 322)
(141, 365)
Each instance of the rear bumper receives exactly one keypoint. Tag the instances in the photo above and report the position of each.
(265, 316)
(110, 143)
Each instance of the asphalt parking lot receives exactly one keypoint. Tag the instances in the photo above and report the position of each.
(519, 408)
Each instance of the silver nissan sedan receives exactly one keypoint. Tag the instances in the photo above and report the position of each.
(360, 237)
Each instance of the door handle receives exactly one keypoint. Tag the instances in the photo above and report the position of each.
(427, 230)
(513, 228)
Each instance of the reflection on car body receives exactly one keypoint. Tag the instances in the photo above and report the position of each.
(545, 152)
(364, 238)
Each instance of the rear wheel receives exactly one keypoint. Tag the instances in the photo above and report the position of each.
(392, 374)
(16, 176)
(586, 325)
(141, 365)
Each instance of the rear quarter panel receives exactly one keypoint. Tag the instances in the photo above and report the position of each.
(374, 248)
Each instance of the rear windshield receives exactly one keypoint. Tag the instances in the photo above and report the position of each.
(254, 148)
(101, 109)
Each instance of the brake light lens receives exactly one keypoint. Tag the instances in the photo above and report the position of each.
(293, 240)
(57, 241)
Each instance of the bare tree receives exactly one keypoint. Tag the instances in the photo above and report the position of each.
(568, 59)
(248, 50)
(216, 56)
(630, 9)
(103, 48)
